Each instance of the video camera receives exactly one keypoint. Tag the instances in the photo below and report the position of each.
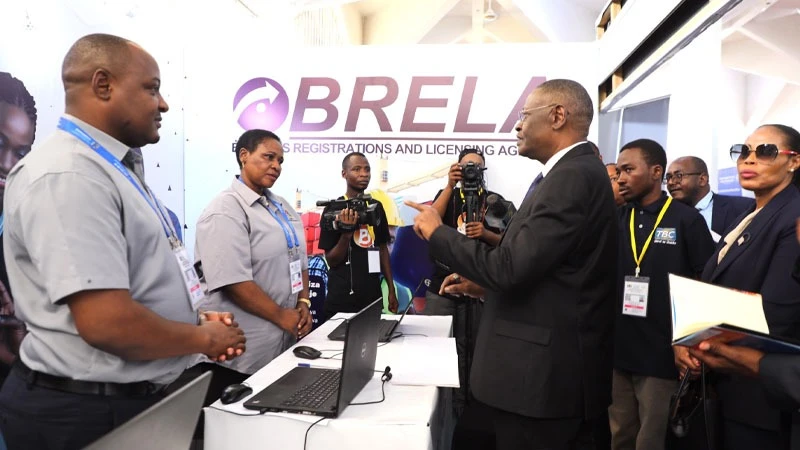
(471, 177)
(367, 214)
(499, 212)
(471, 186)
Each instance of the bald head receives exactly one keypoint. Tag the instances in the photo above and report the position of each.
(575, 100)
(693, 163)
(114, 85)
(92, 52)
(687, 180)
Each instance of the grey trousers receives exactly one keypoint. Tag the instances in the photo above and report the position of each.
(639, 411)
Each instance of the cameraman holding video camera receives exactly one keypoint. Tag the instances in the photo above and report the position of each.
(452, 203)
(356, 250)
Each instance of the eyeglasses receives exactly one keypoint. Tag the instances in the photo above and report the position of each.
(523, 113)
(678, 176)
(764, 152)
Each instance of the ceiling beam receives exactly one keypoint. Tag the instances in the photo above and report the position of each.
(558, 21)
(510, 9)
(779, 35)
(740, 55)
(406, 21)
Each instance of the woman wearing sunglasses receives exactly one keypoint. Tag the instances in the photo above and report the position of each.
(758, 255)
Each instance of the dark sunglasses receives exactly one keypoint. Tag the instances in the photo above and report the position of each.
(764, 152)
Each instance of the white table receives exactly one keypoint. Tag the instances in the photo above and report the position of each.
(411, 417)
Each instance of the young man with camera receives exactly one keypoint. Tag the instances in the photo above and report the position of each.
(356, 250)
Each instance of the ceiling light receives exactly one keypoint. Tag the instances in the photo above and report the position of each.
(489, 15)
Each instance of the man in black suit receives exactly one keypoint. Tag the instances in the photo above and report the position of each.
(687, 182)
(542, 362)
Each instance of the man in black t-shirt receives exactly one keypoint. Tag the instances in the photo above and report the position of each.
(658, 236)
(466, 312)
(357, 258)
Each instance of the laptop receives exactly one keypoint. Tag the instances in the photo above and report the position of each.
(169, 423)
(386, 327)
(327, 392)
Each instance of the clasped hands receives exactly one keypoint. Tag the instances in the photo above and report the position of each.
(226, 341)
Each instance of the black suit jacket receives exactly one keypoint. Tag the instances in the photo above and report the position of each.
(726, 210)
(761, 260)
(545, 343)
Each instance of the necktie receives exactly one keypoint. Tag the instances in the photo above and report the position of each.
(535, 183)
(134, 161)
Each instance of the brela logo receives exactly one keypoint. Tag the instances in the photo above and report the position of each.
(261, 103)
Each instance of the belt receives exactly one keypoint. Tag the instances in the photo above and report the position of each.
(43, 380)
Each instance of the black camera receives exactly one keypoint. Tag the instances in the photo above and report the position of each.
(471, 177)
(367, 213)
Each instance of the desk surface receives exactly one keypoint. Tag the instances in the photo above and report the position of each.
(358, 426)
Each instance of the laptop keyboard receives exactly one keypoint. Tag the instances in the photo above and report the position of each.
(314, 394)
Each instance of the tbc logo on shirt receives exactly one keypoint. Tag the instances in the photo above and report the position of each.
(363, 236)
(666, 236)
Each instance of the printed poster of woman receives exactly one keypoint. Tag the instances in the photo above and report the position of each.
(17, 131)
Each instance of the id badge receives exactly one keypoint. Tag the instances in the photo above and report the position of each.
(374, 260)
(296, 275)
(190, 278)
(634, 297)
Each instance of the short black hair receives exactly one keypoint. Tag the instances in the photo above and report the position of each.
(471, 150)
(653, 152)
(350, 156)
(251, 139)
(792, 140)
(13, 92)
(573, 96)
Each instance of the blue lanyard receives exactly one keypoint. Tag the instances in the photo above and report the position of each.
(284, 226)
(73, 129)
(2, 222)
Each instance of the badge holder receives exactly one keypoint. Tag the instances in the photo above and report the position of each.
(295, 271)
(190, 278)
(634, 297)
(374, 260)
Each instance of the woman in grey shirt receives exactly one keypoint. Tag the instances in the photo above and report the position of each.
(251, 249)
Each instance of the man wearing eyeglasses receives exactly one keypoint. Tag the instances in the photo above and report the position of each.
(542, 365)
(687, 182)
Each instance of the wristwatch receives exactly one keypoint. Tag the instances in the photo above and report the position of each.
(304, 300)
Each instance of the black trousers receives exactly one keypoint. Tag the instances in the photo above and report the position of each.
(32, 417)
(466, 315)
(483, 427)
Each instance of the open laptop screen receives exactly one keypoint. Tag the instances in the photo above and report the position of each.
(361, 349)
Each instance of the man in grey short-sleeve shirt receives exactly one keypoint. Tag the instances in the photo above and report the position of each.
(65, 195)
(95, 277)
(238, 240)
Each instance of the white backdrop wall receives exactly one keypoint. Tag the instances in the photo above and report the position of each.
(211, 52)
(500, 74)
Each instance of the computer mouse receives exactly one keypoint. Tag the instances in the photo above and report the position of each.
(234, 393)
(307, 352)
